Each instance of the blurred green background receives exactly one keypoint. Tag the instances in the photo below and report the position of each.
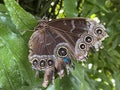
(100, 72)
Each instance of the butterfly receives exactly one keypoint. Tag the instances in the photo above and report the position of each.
(55, 43)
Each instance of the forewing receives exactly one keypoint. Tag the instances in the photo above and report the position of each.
(75, 26)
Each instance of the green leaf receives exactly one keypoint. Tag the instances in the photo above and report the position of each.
(15, 69)
(14, 64)
(74, 81)
(116, 42)
(5, 18)
(2, 8)
(70, 8)
(100, 4)
(22, 19)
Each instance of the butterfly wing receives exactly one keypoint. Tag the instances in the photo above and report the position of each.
(55, 42)
(42, 44)
(93, 38)
(74, 26)
(82, 31)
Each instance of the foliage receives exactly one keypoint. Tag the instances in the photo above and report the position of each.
(100, 72)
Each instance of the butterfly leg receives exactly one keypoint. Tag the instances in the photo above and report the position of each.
(53, 78)
(60, 65)
(72, 65)
(37, 74)
(48, 76)
(67, 69)
(68, 64)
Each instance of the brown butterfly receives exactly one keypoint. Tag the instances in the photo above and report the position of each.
(54, 43)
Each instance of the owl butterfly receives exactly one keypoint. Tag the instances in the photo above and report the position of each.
(55, 43)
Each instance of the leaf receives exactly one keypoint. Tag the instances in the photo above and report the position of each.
(70, 8)
(2, 8)
(116, 42)
(5, 18)
(15, 70)
(22, 19)
(74, 81)
(100, 4)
